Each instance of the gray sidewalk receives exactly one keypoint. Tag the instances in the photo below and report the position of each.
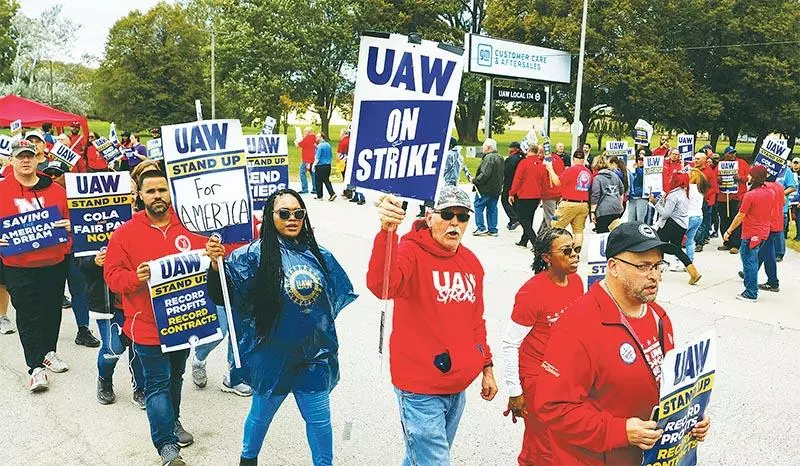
(754, 403)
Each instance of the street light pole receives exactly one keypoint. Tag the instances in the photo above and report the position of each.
(577, 128)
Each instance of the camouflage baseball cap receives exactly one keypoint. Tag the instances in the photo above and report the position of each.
(22, 145)
(453, 196)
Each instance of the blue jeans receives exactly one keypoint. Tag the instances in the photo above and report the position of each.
(163, 380)
(235, 376)
(637, 209)
(750, 267)
(780, 240)
(429, 426)
(112, 348)
(691, 233)
(304, 169)
(76, 283)
(766, 256)
(316, 411)
(705, 228)
(489, 205)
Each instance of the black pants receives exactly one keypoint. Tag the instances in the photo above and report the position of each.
(673, 233)
(726, 220)
(511, 212)
(323, 175)
(603, 221)
(36, 294)
(526, 209)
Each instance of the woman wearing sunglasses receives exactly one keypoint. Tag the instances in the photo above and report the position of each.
(288, 291)
(537, 306)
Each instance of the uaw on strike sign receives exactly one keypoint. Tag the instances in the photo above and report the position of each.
(405, 101)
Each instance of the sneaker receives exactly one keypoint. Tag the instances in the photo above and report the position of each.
(362, 202)
(779, 259)
(248, 461)
(302, 192)
(768, 287)
(66, 303)
(698, 248)
(241, 389)
(513, 226)
(492, 233)
(138, 399)
(743, 297)
(522, 245)
(480, 232)
(677, 268)
(354, 199)
(184, 438)
(741, 275)
(6, 326)
(199, 376)
(86, 338)
(734, 251)
(723, 248)
(332, 198)
(105, 392)
(38, 381)
(54, 363)
(171, 456)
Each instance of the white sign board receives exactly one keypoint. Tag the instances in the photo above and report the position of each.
(509, 59)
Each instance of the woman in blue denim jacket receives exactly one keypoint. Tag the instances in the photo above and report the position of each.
(289, 291)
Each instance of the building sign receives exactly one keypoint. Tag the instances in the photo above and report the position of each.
(504, 58)
(510, 94)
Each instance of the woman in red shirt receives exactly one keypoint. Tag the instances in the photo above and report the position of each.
(94, 160)
(537, 306)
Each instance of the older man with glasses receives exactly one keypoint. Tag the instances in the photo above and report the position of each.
(602, 365)
(438, 342)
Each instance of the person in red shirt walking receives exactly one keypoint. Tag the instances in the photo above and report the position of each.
(537, 306)
(551, 192)
(35, 279)
(601, 369)
(575, 183)
(126, 272)
(526, 192)
(728, 204)
(702, 163)
(767, 255)
(438, 341)
(308, 147)
(755, 217)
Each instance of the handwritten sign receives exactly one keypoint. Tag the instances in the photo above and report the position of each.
(99, 203)
(268, 167)
(108, 150)
(772, 155)
(207, 171)
(65, 154)
(727, 170)
(32, 231)
(597, 258)
(154, 151)
(405, 102)
(185, 315)
(687, 380)
(653, 176)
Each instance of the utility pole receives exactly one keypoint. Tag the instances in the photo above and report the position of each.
(577, 126)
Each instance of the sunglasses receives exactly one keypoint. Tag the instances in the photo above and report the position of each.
(448, 215)
(570, 249)
(286, 214)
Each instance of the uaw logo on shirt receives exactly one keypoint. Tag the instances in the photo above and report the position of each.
(182, 243)
(454, 286)
(302, 284)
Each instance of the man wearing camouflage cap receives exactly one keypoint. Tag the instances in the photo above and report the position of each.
(438, 342)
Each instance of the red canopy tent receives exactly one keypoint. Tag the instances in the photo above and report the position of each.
(33, 114)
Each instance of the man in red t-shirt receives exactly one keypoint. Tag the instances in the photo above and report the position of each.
(728, 204)
(769, 250)
(551, 192)
(308, 146)
(663, 149)
(755, 217)
(701, 163)
(575, 183)
(672, 165)
(601, 370)
(76, 140)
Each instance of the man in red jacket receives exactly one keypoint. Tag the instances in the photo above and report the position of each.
(438, 342)
(35, 279)
(152, 233)
(602, 365)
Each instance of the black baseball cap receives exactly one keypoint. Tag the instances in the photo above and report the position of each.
(514, 145)
(636, 237)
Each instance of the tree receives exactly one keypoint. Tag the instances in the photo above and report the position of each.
(153, 68)
(7, 38)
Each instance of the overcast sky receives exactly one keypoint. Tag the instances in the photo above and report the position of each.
(94, 16)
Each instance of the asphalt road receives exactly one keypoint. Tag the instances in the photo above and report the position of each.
(753, 405)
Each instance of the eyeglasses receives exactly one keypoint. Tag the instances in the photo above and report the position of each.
(569, 250)
(286, 214)
(644, 269)
(448, 215)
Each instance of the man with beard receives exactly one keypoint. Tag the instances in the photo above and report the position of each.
(152, 233)
(602, 366)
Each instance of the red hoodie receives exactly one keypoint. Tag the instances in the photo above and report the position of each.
(438, 307)
(528, 178)
(595, 376)
(135, 242)
(17, 199)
